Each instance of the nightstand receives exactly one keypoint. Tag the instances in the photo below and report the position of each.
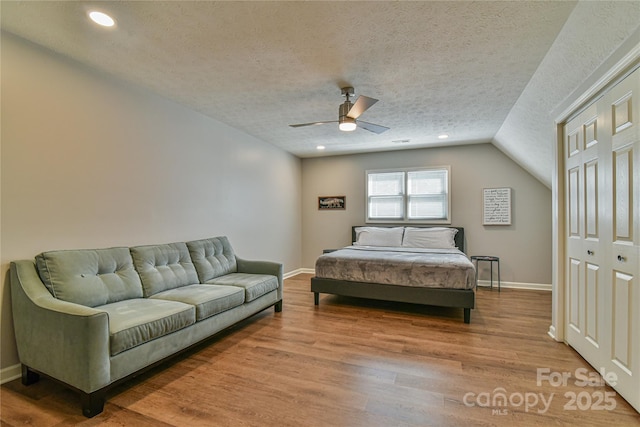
(491, 260)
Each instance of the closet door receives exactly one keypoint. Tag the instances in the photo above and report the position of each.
(623, 293)
(585, 246)
(602, 277)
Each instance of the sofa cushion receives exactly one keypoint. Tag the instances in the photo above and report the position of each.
(137, 321)
(213, 257)
(207, 299)
(255, 285)
(164, 267)
(90, 277)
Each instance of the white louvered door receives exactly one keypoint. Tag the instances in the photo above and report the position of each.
(602, 205)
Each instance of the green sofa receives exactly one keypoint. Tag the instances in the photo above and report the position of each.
(90, 318)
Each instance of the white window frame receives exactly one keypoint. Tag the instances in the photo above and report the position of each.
(406, 197)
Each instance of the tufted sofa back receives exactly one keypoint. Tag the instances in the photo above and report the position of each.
(213, 257)
(90, 277)
(163, 267)
(94, 277)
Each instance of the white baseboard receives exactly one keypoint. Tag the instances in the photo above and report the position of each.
(299, 271)
(516, 285)
(10, 373)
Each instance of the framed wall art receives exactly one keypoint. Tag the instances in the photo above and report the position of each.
(496, 206)
(326, 203)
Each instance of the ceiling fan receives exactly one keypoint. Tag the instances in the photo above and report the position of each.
(349, 112)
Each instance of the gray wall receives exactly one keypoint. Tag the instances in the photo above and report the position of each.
(524, 247)
(88, 162)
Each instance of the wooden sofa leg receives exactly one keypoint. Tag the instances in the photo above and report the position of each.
(92, 403)
(28, 376)
(316, 298)
(467, 315)
(278, 306)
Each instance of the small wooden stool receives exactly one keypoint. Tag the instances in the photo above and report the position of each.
(491, 260)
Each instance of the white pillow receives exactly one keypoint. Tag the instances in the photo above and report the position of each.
(379, 236)
(429, 238)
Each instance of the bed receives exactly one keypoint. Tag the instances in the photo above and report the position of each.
(412, 264)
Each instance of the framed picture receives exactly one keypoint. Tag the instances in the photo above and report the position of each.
(496, 206)
(326, 203)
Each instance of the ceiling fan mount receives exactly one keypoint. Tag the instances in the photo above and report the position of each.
(347, 91)
(349, 112)
(346, 123)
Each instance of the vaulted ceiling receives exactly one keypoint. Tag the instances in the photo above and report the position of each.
(476, 71)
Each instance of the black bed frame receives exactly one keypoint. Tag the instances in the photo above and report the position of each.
(442, 297)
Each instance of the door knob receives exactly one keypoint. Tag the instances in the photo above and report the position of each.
(621, 258)
(589, 252)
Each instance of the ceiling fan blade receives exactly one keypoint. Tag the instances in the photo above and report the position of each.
(361, 105)
(312, 124)
(372, 127)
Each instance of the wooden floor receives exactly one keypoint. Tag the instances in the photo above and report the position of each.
(352, 362)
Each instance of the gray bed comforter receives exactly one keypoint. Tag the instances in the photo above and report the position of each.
(431, 268)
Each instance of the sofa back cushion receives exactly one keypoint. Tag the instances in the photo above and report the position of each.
(90, 277)
(213, 257)
(163, 267)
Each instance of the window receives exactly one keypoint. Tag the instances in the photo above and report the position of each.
(420, 195)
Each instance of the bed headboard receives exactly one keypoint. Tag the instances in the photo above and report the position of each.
(459, 238)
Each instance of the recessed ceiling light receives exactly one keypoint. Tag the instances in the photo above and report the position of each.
(443, 136)
(101, 19)
(320, 147)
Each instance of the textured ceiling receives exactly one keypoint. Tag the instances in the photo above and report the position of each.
(437, 67)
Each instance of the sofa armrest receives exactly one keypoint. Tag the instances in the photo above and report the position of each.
(67, 341)
(262, 267)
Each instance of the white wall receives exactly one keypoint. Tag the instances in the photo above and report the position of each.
(524, 247)
(88, 162)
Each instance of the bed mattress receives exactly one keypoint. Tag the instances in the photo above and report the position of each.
(430, 268)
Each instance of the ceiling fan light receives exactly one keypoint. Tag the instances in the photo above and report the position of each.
(347, 124)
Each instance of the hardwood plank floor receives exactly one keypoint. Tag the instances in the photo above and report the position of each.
(352, 362)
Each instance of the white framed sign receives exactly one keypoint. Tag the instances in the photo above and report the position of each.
(496, 206)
